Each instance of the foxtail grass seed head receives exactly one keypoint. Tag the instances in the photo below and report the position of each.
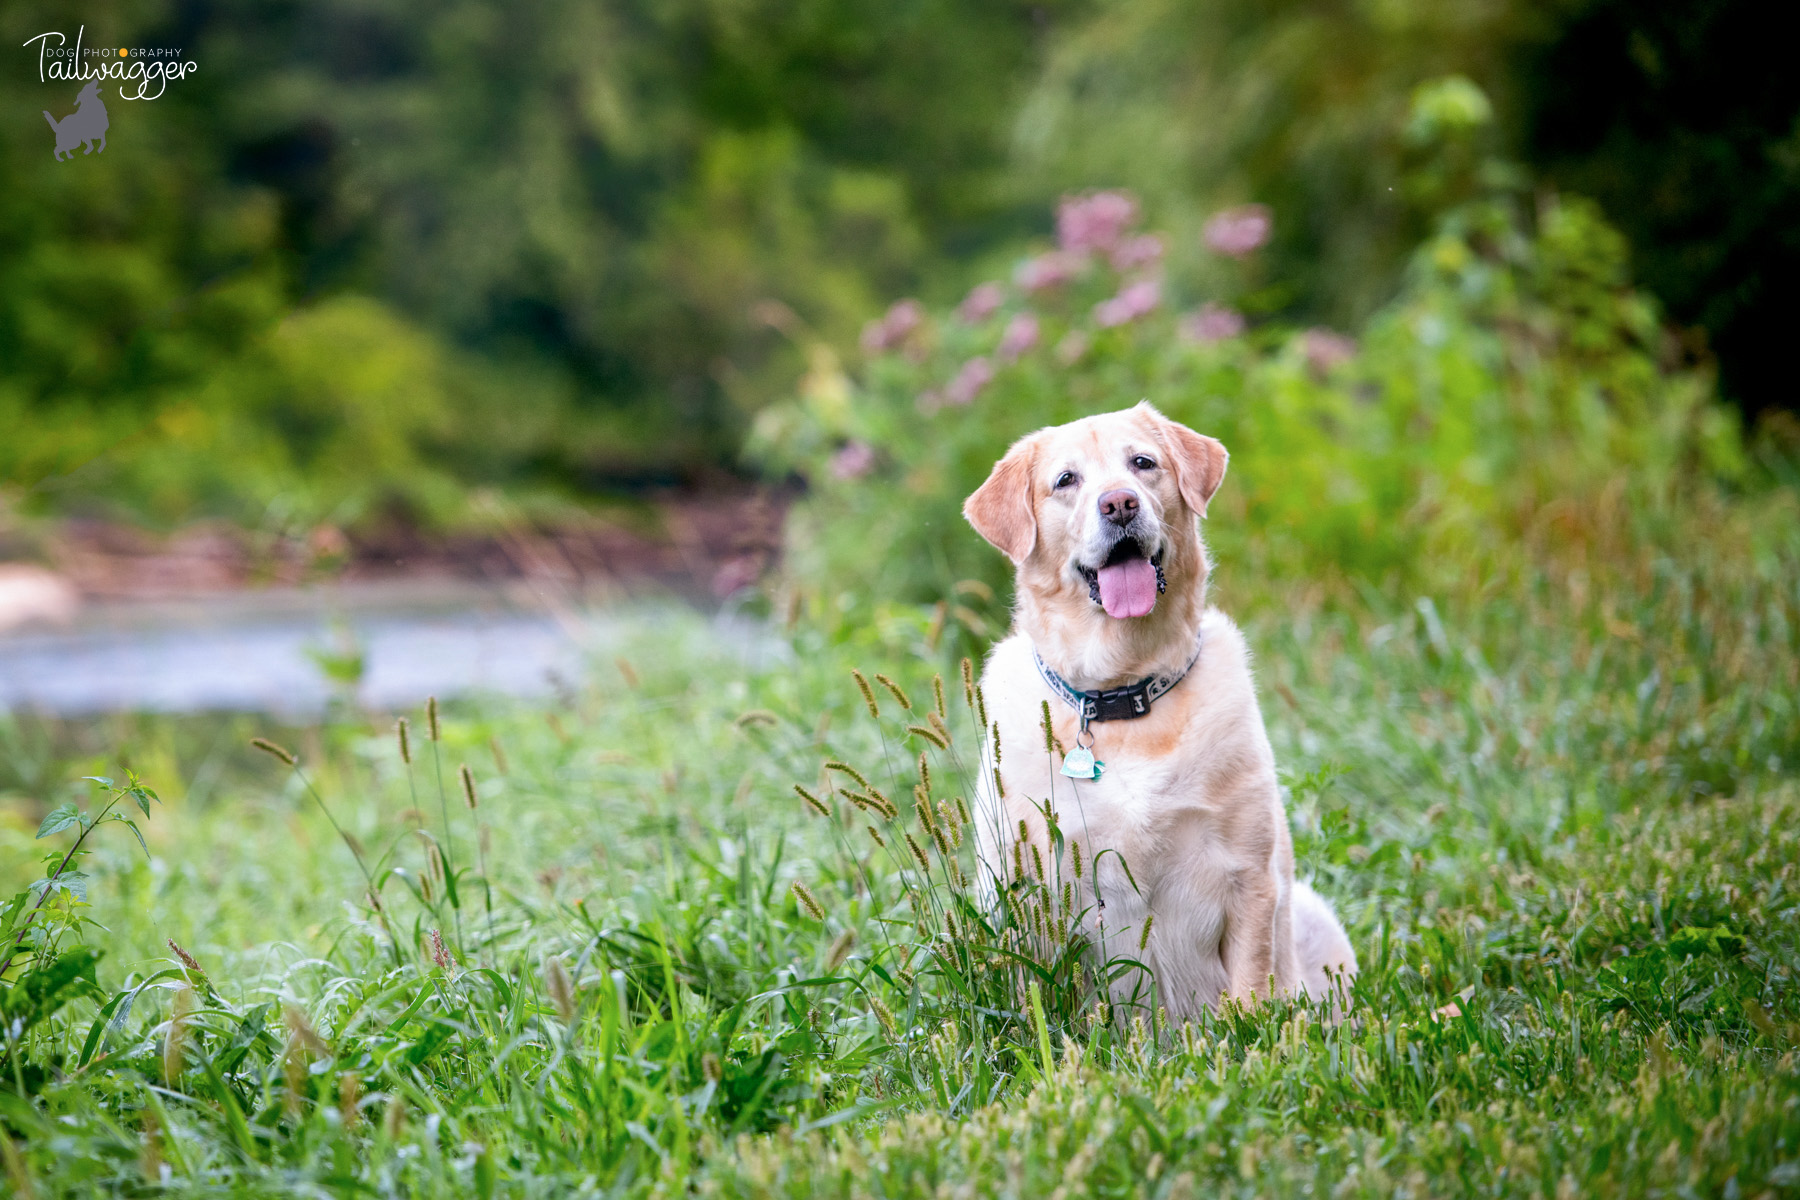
(918, 854)
(757, 716)
(270, 748)
(894, 690)
(402, 736)
(303, 1032)
(813, 802)
(431, 719)
(560, 988)
(840, 950)
(868, 693)
(924, 772)
(947, 820)
(937, 695)
(1068, 898)
(393, 1121)
(808, 901)
(1018, 851)
(434, 863)
(20, 1174)
(941, 841)
(150, 1157)
(468, 784)
(440, 953)
(968, 678)
(175, 1039)
(712, 1067)
(884, 1015)
(349, 1096)
(1037, 862)
(1049, 729)
(929, 734)
(996, 743)
(981, 707)
(187, 960)
(876, 834)
(943, 730)
(962, 810)
(999, 784)
(1075, 857)
(922, 807)
(1144, 934)
(499, 754)
(293, 1073)
(847, 769)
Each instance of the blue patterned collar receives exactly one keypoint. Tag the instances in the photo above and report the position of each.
(1114, 704)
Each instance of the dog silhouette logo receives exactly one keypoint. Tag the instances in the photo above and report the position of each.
(86, 124)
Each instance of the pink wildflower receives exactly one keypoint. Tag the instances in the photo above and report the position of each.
(1237, 232)
(1212, 323)
(1095, 221)
(894, 327)
(1021, 335)
(1134, 301)
(852, 461)
(976, 374)
(981, 303)
(1146, 249)
(1047, 271)
(1325, 349)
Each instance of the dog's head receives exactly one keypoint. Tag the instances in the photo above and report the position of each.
(1099, 509)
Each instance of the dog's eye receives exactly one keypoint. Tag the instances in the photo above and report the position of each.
(1065, 479)
(1143, 462)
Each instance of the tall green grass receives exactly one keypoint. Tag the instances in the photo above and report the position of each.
(1527, 625)
(1556, 807)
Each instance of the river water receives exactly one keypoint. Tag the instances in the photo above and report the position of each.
(290, 652)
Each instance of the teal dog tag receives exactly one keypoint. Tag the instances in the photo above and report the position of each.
(1080, 763)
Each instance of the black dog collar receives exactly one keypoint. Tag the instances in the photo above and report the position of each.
(1114, 704)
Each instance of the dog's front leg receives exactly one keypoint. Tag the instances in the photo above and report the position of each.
(1248, 944)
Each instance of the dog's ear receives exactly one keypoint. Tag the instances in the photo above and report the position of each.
(1199, 460)
(1001, 510)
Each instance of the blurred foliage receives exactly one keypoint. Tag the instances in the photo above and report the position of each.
(1301, 105)
(372, 253)
(1683, 120)
(369, 249)
(1517, 369)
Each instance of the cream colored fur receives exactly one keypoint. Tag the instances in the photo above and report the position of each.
(1188, 799)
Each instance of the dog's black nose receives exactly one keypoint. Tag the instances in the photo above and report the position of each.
(1119, 506)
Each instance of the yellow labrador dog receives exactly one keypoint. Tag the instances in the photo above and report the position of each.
(1167, 765)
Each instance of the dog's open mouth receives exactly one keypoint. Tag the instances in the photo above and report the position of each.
(1127, 584)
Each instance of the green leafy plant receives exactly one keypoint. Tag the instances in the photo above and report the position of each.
(1516, 364)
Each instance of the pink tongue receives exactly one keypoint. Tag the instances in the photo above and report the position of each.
(1129, 589)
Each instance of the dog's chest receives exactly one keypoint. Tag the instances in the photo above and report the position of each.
(1165, 799)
